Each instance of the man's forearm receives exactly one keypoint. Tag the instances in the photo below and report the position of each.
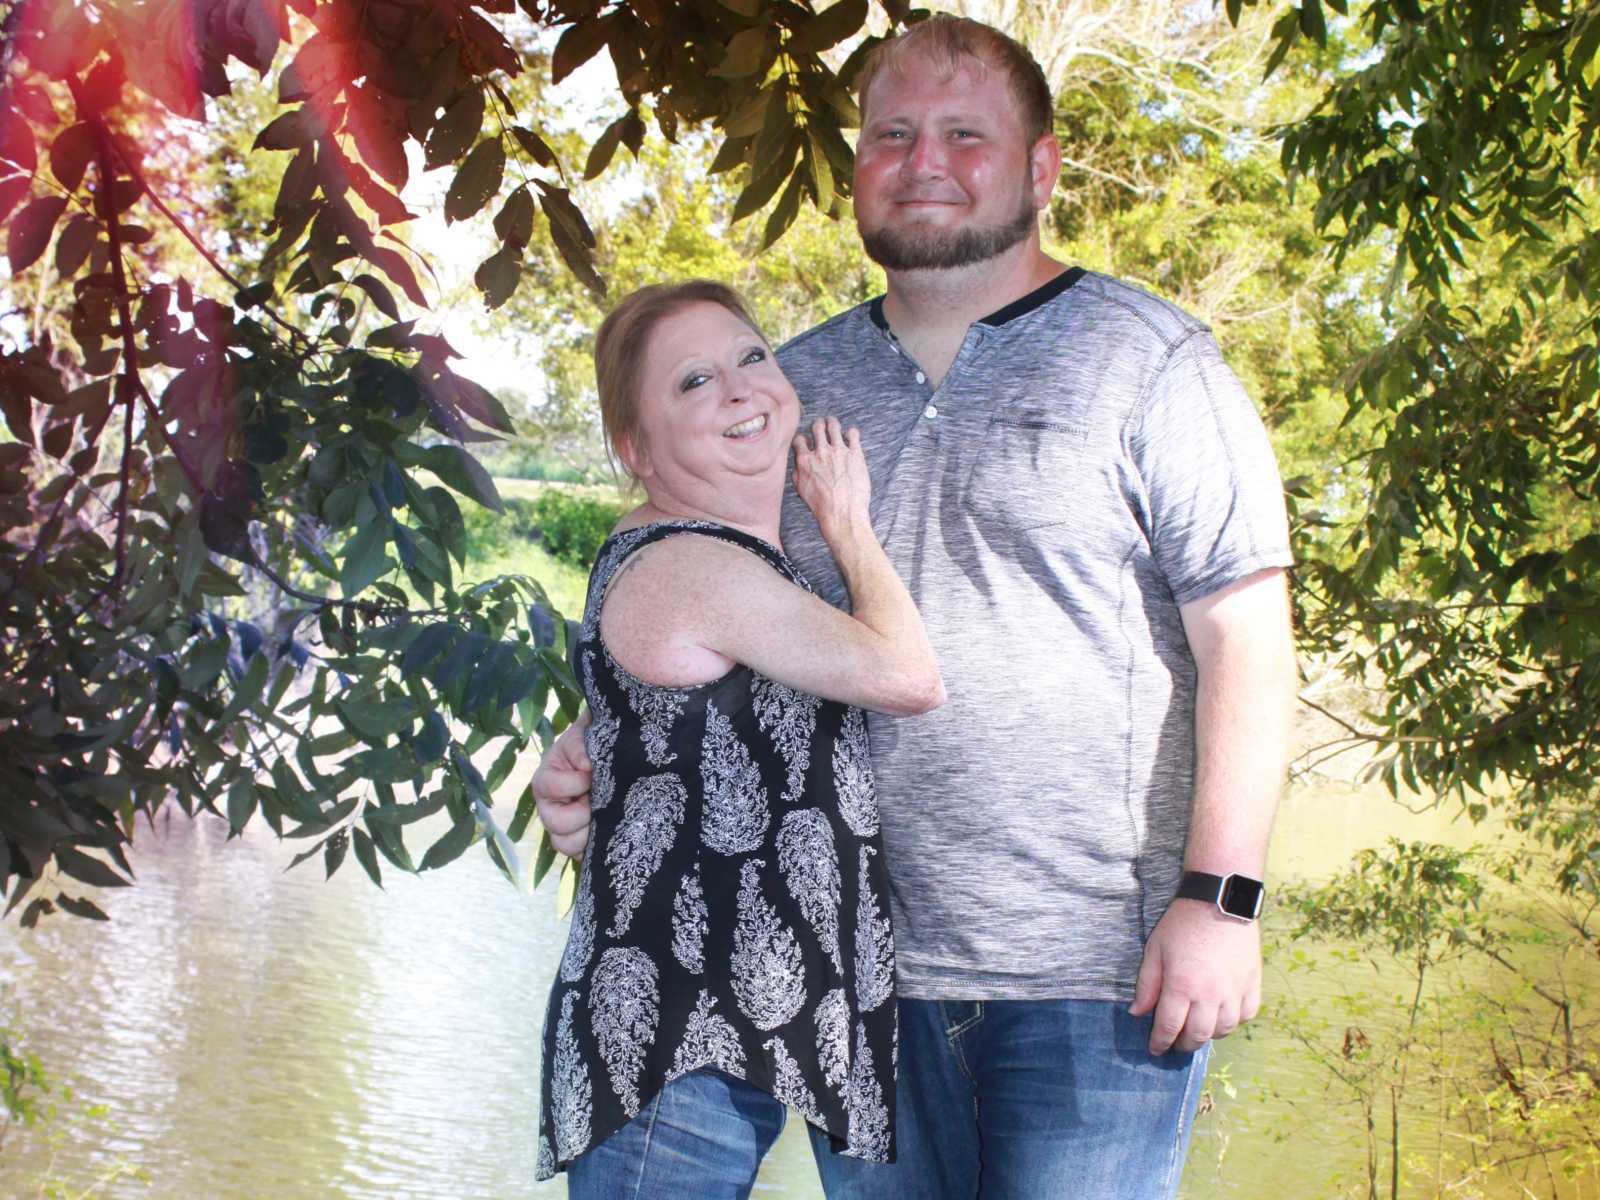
(1244, 656)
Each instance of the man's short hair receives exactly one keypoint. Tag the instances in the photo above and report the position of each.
(951, 43)
(624, 337)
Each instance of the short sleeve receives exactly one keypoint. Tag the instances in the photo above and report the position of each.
(1212, 493)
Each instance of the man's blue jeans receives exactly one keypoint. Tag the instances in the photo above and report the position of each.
(702, 1136)
(1028, 1100)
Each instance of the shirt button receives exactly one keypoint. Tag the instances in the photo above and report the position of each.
(921, 378)
(931, 411)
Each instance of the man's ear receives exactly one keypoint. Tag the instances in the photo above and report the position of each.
(1044, 169)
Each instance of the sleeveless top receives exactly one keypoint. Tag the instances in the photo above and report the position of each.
(732, 911)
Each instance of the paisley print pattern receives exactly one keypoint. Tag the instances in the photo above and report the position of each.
(869, 1116)
(573, 1098)
(852, 775)
(736, 814)
(599, 742)
(810, 867)
(833, 1037)
(874, 947)
(789, 1082)
(657, 710)
(731, 910)
(708, 1041)
(767, 976)
(789, 718)
(651, 813)
(689, 923)
(624, 1006)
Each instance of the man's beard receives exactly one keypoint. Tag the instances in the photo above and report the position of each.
(914, 249)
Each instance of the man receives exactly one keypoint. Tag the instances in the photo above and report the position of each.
(1085, 506)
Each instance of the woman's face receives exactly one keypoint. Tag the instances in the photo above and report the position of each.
(714, 408)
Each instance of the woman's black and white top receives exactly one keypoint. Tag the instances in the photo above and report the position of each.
(733, 907)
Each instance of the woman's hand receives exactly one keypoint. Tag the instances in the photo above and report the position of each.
(831, 477)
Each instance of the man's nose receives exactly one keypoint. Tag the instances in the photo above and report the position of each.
(926, 158)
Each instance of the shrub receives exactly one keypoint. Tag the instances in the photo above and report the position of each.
(572, 527)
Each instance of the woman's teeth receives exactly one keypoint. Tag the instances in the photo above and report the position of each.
(746, 428)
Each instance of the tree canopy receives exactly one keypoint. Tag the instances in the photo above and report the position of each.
(231, 539)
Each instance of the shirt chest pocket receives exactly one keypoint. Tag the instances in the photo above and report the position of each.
(1023, 469)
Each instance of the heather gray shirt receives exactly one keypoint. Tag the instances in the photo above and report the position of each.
(1087, 465)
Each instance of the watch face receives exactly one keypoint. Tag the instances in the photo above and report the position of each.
(1241, 897)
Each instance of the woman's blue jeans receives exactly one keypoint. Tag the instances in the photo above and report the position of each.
(703, 1136)
(1028, 1100)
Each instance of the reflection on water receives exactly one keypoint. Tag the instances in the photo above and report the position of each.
(262, 1034)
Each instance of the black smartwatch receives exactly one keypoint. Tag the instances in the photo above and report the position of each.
(1235, 895)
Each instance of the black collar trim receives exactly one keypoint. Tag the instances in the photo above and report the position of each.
(1037, 298)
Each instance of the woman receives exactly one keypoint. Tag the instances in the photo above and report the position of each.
(730, 950)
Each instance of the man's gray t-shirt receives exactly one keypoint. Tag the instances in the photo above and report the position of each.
(1087, 465)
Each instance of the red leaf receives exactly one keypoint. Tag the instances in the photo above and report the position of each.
(70, 154)
(378, 126)
(11, 191)
(396, 268)
(30, 231)
(381, 296)
(319, 65)
(16, 141)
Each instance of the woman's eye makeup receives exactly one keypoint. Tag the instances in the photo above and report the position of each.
(754, 355)
(692, 380)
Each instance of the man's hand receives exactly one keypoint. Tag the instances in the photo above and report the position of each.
(561, 788)
(1201, 976)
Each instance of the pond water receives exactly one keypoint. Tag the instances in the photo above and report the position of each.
(256, 1033)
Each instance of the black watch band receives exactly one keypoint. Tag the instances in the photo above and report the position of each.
(1235, 895)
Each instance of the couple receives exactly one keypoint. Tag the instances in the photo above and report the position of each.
(1060, 473)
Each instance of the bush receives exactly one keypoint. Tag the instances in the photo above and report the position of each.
(572, 527)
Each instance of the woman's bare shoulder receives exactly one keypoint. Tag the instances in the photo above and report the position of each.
(663, 602)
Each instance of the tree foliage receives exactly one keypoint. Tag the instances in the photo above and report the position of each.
(1465, 575)
(230, 525)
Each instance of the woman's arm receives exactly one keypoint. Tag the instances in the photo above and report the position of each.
(686, 609)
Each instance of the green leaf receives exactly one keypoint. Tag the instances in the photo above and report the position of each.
(829, 27)
(367, 856)
(465, 474)
(375, 720)
(784, 213)
(86, 869)
(241, 802)
(364, 560)
(249, 688)
(545, 856)
(764, 186)
(746, 52)
(333, 852)
(205, 664)
(452, 845)
(477, 180)
(527, 807)
(426, 647)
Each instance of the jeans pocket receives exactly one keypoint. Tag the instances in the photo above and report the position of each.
(1024, 468)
